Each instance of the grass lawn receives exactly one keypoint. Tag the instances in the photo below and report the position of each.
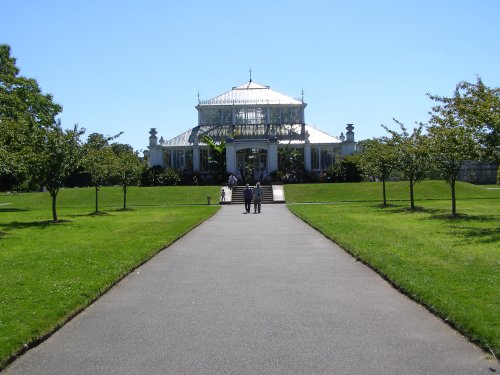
(49, 272)
(451, 265)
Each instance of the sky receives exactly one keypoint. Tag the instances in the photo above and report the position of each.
(128, 66)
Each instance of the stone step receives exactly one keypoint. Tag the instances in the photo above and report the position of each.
(237, 195)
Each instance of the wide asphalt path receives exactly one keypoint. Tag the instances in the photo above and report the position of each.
(254, 294)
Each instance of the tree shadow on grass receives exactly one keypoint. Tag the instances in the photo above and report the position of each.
(98, 213)
(32, 224)
(124, 209)
(483, 235)
(459, 225)
(12, 210)
(397, 209)
(437, 214)
(459, 217)
(91, 214)
(467, 232)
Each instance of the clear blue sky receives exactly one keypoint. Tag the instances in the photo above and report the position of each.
(131, 65)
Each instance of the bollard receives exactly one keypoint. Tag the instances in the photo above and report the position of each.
(208, 199)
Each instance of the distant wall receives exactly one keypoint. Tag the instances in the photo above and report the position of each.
(479, 173)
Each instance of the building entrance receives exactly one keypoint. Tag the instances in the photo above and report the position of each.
(252, 164)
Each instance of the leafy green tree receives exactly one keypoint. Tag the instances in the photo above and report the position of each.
(21, 97)
(57, 155)
(461, 128)
(411, 152)
(217, 156)
(24, 110)
(291, 164)
(128, 167)
(377, 159)
(31, 139)
(10, 150)
(99, 161)
(99, 164)
(476, 107)
(451, 145)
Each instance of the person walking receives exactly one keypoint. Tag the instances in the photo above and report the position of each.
(223, 195)
(232, 182)
(257, 198)
(247, 195)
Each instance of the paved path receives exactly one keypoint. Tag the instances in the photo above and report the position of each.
(254, 294)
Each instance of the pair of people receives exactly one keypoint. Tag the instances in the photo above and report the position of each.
(256, 195)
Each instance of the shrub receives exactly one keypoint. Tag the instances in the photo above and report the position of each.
(159, 176)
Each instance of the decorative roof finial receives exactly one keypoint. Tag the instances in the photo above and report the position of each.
(302, 94)
(250, 71)
(198, 96)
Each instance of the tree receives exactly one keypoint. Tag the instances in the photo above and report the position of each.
(217, 157)
(30, 137)
(291, 164)
(10, 151)
(411, 153)
(451, 145)
(99, 161)
(57, 155)
(476, 107)
(24, 110)
(21, 97)
(377, 159)
(128, 167)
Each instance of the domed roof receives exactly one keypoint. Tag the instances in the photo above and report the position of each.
(250, 93)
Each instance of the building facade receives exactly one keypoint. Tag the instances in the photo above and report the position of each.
(257, 125)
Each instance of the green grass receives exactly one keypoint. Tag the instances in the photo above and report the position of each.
(396, 191)
(48, 272)
(112, 197)
(450, 265)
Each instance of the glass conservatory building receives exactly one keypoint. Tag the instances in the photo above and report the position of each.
(257, 124)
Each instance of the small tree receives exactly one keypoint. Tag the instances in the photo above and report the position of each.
(377, 159)
(451, 146)
(217, 157)
(99, 164)
(56, 156)
(291, 164)
(99, 161)
(411, 154)
(128, 168)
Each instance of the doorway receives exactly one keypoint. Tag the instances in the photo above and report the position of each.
(252, 165)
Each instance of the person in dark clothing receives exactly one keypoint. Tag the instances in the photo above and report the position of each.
(257, 198)
(247, 195)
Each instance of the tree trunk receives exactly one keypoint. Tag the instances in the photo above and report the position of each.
(383, 190)
(124, 196)
(54, 210)
(412, 202)
(96, 198)
(453, 199)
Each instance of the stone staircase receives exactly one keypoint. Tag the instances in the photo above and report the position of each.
(267, 194)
